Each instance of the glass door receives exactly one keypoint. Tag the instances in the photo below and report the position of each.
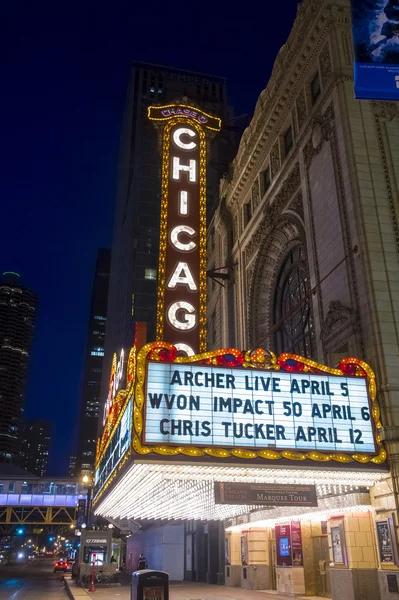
(322, 566)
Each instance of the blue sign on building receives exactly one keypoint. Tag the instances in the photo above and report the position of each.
(376, 41)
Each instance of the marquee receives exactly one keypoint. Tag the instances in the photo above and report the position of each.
(227, 403)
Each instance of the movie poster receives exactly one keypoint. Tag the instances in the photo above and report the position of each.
(384, 541)
(376, 41)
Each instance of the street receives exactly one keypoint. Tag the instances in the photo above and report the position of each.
(32, 581)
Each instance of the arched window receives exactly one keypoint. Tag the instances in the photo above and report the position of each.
(292, 306)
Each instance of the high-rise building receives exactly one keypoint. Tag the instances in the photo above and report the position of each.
(90, 400)
(17, 324)
(36, 446)
(133, 279)
(72, 466)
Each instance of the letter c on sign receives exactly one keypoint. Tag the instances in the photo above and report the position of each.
(181, 131)
(174, 238)
(189, 317)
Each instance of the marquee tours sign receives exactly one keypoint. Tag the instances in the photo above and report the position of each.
(255, 405)
(265, 494)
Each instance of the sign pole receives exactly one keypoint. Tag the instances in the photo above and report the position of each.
(92, 587)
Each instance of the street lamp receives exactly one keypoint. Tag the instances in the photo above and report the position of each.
(89, 484)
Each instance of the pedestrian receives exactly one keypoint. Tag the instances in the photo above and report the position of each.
(142, 563)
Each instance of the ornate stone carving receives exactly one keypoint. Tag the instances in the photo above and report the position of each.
(337, 320)
(275, 160)
(385, 110)
(273, 247)
(273, 211)
(301, 108)
(249, 273)
(294, 125)
(296, 206)
(325, 64)
(236, 227)
(308, 14)
(391, 196)
(225, 249)
(322, 127)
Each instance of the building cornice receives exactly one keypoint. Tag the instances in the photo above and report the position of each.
(308, 36)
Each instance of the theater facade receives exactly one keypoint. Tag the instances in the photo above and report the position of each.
(254, 442)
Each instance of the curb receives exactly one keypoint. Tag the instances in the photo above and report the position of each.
(74, 591)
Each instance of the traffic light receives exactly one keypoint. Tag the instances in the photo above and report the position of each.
(51, 539)
(20, 531)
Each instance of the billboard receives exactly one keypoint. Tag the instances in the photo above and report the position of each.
(376, 42)
(181, 306)
(254, 404)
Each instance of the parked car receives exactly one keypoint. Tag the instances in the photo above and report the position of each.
(60, 565)
(69, 563)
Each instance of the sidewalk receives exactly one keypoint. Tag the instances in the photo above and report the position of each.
(181, 591)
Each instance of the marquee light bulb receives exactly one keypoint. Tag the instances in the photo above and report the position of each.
(182, 276)
(181, 347)
(141, 492)
(183, 203)
(183, 145)
(183, 246)
(191, 168)
(189, 318)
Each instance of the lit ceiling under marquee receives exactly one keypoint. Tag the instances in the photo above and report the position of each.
(182, 492)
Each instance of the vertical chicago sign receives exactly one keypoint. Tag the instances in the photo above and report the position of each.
(181, 310)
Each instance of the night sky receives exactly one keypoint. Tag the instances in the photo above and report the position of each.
(64, 74)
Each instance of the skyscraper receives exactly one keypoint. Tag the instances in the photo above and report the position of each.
(17, 324)
(90, 400)
(36, 446)
(133, 278)
(72, 466)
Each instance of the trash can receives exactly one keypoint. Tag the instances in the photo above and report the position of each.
(150, 585)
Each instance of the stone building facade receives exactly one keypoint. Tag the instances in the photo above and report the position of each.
(307, 228)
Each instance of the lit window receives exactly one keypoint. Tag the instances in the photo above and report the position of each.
(96, 353)
(152, 89)
(150, 274)
(99, 318)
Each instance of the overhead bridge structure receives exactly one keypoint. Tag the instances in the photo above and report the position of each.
(39, 504)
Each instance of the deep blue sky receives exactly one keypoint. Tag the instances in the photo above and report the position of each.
(64, 73)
